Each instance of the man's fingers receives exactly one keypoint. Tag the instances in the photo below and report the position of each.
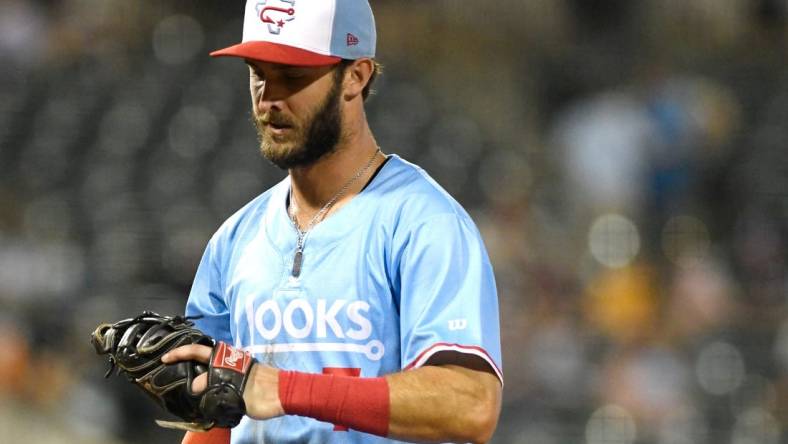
(191, 352)
(200, 383)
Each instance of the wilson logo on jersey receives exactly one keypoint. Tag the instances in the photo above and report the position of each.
(279, 322)
(458, 324)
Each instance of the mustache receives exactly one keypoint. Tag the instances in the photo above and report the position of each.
(274, 119)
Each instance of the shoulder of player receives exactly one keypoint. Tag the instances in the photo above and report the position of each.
(419, 197)
(247, 216)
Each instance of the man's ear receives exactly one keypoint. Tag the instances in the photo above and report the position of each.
(357, 76)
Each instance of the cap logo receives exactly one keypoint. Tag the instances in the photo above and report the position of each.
(351, 39)
(276, 17)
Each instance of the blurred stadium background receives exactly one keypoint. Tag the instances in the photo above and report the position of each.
(626, 162)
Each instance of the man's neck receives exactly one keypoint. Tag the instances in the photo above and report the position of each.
(316, 184)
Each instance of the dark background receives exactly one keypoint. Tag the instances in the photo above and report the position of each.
(625, 161)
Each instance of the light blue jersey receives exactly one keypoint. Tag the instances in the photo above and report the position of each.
(394, 276)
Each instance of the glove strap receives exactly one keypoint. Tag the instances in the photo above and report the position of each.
(227, 357)
(223, 399)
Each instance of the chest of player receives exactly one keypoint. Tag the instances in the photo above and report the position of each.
(341, 302)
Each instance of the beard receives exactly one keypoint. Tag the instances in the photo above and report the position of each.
(305, 145)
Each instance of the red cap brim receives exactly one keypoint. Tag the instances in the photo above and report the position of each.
(276, 53)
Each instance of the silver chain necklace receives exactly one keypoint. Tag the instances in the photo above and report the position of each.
(298, 258)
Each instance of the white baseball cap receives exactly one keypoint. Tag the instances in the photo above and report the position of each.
(305, 32)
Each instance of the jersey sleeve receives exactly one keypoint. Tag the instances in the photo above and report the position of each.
(448, 300)
(206, 298)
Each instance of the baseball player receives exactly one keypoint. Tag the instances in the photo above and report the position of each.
(362, 288)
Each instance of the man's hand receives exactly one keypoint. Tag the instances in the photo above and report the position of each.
(134, 347)
(261, 394)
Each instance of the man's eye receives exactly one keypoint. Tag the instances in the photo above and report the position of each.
(292, 75)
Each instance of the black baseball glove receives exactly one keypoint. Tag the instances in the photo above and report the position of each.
(135, 347)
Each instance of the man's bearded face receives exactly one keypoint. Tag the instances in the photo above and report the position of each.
(289, 142)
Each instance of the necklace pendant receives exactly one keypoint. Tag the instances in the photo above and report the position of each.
(297, 261)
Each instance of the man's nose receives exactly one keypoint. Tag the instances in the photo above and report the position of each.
(271, 97)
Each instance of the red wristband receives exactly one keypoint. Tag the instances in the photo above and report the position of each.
(358, 403)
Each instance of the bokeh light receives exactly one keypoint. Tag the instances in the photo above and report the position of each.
(685, 240)
(124, 128)
(611, 424)
(614, 240)
(684, 425)
(720, 368)
(177, 39)
(193, 131)
(756, 426)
